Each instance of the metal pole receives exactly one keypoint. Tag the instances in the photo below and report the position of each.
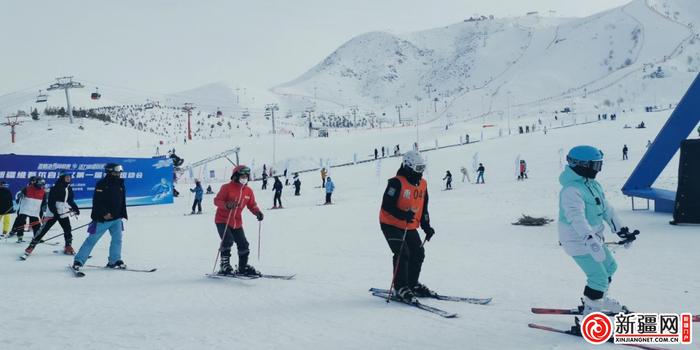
(70, 110)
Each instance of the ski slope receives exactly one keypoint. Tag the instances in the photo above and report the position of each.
(337, 252)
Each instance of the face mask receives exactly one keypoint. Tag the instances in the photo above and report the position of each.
(243, 181)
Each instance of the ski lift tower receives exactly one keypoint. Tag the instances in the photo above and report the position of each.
(272, 108)
(188, 108)
(66, 83)
(13, 121)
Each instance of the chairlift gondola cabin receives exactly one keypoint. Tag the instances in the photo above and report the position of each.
(96, 95)
(41, 97)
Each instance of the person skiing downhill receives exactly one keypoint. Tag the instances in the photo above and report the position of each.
(522, 169)
(480, 171)
(582, 211)
(297, 185)
(277, 187)
(405, 208)
(448, 178)
(108, 213)
(198, 194)
(229, 202)
(330, 187)
(60, 206)
(32, 202)
(465, 174)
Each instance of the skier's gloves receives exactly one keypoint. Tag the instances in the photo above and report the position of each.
(429, 232)
(409, 216)
(260, 216)
(595, 249)
(627, 237)
(231, 205)
(76, 212)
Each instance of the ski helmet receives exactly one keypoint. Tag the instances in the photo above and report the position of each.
(63, 173)
(240, 170)
(113, 168)
(586, 161)
(414, 161)
(39, 182)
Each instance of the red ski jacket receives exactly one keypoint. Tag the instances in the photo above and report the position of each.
(242, 195)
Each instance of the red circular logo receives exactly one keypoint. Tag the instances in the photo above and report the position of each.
(596, 328)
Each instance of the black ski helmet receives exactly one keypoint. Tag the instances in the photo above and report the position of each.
(113, 168)
(39, 182)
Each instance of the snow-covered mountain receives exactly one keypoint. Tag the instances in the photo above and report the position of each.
(483, 66)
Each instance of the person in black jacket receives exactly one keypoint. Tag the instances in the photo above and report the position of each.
(404, 209)
(448, 177)
(60, 207)
(108, 210)
(6, 207)
(277, 187)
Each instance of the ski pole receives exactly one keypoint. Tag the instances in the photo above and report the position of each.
(396, 268)
(61, 234)
(41, 221)
(223, 237)
(259, 229)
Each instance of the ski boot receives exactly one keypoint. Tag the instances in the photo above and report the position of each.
(405, 294)
(68, 250)
(226, 268)
(20, 239)
(604, 305)
(421, 291)
(248, 271)
(116, 265)
(76, 265)
(29, 250)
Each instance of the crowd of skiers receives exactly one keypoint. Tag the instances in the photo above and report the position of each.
(583, 211)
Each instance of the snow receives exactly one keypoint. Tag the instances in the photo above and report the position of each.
(338, 252)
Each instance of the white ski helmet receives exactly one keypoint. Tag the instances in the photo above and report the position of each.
(414, 161)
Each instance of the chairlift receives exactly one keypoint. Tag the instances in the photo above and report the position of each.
(42, 97)
(96, 95)
(148, 105)
(245, 113)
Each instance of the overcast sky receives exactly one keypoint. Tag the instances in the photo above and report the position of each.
(169, 45)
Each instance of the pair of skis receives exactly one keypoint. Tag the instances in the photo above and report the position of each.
(246, 277)
(578, 311)
(385, 294)
(80, 273)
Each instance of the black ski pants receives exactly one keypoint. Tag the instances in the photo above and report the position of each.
(411, 256)
(229, 235)
(277, 199)
(21, 221)
(197, 204)
(65, 225)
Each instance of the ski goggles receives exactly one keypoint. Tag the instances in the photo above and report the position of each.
(595, 165)
(244, 171)
(117, 169)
